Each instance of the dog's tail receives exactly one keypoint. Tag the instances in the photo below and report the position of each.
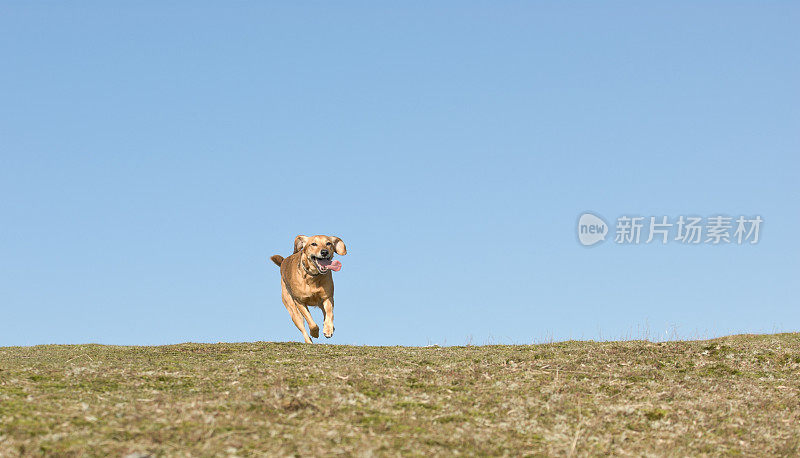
(277, 259)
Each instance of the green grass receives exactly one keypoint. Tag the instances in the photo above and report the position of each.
(733, 395)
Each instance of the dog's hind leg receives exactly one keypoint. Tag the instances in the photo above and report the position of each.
(312, 327)
(293, 308)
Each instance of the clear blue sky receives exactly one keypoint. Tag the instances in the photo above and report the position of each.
(153, 155)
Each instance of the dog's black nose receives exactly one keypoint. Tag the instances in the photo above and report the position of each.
(324, 253)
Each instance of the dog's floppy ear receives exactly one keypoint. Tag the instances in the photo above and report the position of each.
(300, 242)
(338, 245)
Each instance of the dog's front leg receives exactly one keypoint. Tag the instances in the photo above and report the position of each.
(293, 308)
(327, 311)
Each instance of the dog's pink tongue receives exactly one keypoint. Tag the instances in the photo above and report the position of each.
(335, 265)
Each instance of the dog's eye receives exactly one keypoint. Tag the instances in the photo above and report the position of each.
(329, 244)
(313, 244)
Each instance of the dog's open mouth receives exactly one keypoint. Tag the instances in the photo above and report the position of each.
(325, 264)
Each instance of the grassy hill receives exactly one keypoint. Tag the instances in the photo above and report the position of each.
(733, 395)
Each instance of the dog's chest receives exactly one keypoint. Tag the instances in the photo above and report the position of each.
(309, 293)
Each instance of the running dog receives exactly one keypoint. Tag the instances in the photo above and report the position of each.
(306, 281)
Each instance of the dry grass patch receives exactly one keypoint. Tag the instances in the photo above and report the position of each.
(734, 395)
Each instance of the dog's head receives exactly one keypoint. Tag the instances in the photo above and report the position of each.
(317, 252)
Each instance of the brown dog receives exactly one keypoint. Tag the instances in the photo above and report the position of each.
(306, 281)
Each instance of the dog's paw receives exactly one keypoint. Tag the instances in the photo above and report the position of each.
(315, 332)
(328, 331)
